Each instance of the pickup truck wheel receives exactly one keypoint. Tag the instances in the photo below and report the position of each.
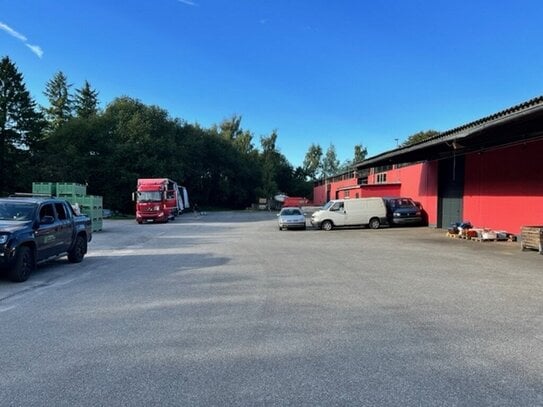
(24, 264)
(374, 223)
(78, 251)
(327, 225)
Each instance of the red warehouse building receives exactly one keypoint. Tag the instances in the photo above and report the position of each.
(488, 172)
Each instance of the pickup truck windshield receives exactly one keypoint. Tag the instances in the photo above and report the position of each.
(18, 211)
(150, 196)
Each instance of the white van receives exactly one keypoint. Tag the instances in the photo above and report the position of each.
(369, 212)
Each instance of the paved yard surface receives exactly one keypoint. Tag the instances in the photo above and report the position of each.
(225, 309)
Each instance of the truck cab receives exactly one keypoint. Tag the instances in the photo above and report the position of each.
(158, 200)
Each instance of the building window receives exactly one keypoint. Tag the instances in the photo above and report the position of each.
(346, 194)
(382, 168)
(381, 178)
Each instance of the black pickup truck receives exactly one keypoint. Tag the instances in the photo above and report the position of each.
(36, 229)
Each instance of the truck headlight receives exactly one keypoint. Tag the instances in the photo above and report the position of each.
(3, 239)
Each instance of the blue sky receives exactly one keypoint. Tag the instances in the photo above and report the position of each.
(325, 72)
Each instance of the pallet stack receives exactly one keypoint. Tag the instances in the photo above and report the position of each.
(467, 232)
(532, 238)
(75, 194)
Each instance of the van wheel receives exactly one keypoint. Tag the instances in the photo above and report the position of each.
(374, 223)
(327, 225)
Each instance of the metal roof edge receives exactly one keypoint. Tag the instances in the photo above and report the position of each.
(459, 132)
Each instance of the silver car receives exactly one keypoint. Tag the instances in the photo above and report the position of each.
(291, 218)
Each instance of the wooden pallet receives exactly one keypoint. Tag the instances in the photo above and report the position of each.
(532, 238)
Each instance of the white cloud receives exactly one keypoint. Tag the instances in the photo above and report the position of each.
(187, 2)
(12, 32)
(36, 49)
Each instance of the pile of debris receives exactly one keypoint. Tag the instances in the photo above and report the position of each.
(465, 230)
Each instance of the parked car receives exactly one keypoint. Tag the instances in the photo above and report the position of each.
(291, 218)
(34, 230)
(403, 211)
(369, 212)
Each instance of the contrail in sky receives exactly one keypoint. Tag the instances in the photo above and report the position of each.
(36, 49)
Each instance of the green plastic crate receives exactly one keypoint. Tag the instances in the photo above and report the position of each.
(49, 188)
(97, 224)
(91, 201)
(72, 199)
(70, 189)
(91, 212)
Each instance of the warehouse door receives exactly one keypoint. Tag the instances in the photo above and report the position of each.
(451, 191)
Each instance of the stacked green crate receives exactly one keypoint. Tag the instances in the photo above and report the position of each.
(91, 205)
(48, 188)
(66, 189)
(76, 194)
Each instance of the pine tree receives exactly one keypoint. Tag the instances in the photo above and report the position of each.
(57, 91)
(86, 101)
(19, 121)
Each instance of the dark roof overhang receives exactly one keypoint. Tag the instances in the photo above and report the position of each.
(519, 124)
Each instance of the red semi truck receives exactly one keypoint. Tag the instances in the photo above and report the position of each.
(159, 199)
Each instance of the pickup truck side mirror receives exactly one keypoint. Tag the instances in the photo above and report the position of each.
(47, 220)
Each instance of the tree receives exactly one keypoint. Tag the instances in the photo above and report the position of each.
(86, 101)
(418, 137)
(312, 161)
(20, 124)
(330, 163)
(360, 153)
(270, 158)
(230, 129)
(60, 101)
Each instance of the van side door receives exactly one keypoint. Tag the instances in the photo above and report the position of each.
(337, 214)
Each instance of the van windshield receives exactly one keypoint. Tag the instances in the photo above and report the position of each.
(333, 206)
(328, 205)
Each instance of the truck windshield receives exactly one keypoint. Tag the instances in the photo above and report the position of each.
(17, 211)
(150, 196)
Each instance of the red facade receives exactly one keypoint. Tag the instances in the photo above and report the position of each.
(503, 188)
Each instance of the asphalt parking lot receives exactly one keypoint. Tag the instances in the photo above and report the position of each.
(225, 309)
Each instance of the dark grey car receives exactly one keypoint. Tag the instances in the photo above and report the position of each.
(403, 211)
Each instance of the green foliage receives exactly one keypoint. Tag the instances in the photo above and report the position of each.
(86, 101)
(330, 162)
(360, 153)
(20, 127)
(313, 161)
(418, 137)
(60, 101)
(109, 150)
